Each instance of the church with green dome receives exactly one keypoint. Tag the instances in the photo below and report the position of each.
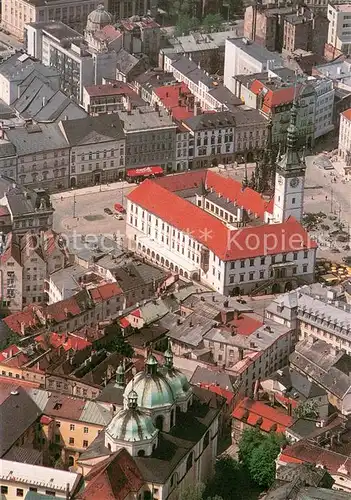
(168, 428)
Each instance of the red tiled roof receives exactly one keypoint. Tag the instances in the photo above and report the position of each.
(258, 412)
(180, 182)
(136, 313)
(304, 451)
(218, 390)
(115, 478)
(233, 191)
(347, 114)
(9, 352)
(124, 322)
(105, 292)
(26, 317)
(275, 97)
(59, 311)
(244, 325)
(267, 239)
(172, 98)
(45, 420)
(67, 341)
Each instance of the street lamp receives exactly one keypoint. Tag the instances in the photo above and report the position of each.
(74, 206)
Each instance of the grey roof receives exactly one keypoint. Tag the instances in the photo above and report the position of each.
(256, 51)
(96, 449)
(36, 138)
(244, 115)
(125, 61)
(225, 96)
(203, 375)
(211, 121)
(93, 129)
(137, 274)
(24, 455)
(17, 413)
(189, 68)
(58, 30)
(145, 118)
(67, 279)
(95, 413)
(324, 365)
(6, 149)
(41, 102)
(17, 68)
(295, 382)
(20, 200)
(112, 393)
(191, 330)
(6, 112)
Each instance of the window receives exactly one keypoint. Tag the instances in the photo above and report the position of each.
(33, 488)
(86, 430)
(71, 440)
(4, 490)
(189, 462)
(251, 276)
(263, 261)
(242, 277)
(72, 427)
(304, 268)
(85, 444)
(19, 492)
(206, 440)
(50, 492)
(242, 263)
(295, 256)
(305, 254)
(261, 275)
(252, 262)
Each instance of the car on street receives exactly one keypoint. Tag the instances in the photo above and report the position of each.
(118, 216)
(119, 208)
(108, 211)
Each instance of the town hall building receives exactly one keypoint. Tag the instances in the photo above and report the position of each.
(212, 229)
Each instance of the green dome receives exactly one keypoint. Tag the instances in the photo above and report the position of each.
(178, 382)
(131, 425)
(153, 390)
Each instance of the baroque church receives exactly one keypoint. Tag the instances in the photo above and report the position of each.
(161, 439)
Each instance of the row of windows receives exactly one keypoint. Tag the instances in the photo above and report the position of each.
(4, 490)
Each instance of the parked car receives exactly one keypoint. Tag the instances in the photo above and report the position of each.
(118, 216)
(108, 211)
(119, 208)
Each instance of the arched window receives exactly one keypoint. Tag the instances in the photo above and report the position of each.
(109, 446)
(141, 453)
(206, 440)
(189, 462)
(159, 422)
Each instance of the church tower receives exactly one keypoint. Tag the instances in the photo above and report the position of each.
(289, 177)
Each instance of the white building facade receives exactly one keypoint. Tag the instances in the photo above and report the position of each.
(339, 32)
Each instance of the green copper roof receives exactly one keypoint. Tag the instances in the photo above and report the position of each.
(131, 425)
(153, 390)
(178, 382)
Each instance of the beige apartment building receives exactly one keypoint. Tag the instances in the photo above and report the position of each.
(17, 13)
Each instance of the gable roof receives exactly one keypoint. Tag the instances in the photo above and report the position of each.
(258, 413)
(209, 231)
(115, 478)
(85, 130)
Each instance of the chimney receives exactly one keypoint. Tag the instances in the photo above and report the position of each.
(43, 102)
(241, 354)
(22, 328)
(10, 353)
(289, 409)
(129, 105)
(255, 395)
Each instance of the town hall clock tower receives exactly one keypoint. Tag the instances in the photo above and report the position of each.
(289, 178)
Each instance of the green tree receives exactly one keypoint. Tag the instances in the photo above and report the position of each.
(185, 24)
(212, 22)
(308, 409)
(231, 480)
(258, 452)
(116, 342)
(262, 462)
(250, 439)
(13, 338)
(193, 492)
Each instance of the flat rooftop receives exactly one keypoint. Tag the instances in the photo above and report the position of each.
(145, 118)
(58, 30)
